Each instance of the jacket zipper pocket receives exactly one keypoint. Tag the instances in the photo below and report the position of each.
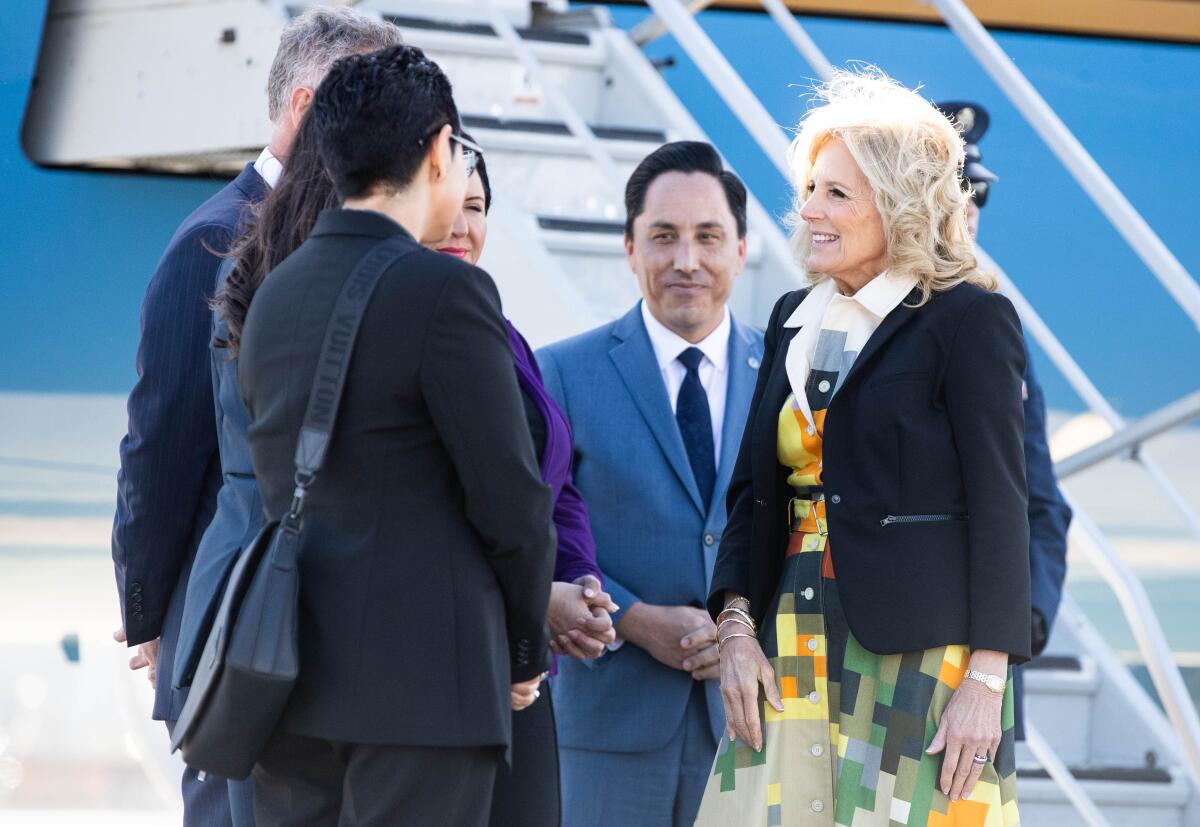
(921, 518)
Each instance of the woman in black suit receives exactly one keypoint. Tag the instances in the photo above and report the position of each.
(428, 542)
(874, 573)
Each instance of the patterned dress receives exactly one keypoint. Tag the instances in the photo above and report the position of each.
(849, 747)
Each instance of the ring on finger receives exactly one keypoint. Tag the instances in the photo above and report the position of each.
(981, 759)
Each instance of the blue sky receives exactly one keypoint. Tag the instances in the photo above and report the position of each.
(78, 248)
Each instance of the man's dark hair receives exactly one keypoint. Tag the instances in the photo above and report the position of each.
(375, 114)
(683, 156)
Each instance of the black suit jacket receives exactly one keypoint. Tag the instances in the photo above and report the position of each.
(927, 422)
(170, 470)
(429, 545)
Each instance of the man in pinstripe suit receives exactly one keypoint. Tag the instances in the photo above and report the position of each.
(170, 468)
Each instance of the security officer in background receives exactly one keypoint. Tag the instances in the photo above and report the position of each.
(1049, 514)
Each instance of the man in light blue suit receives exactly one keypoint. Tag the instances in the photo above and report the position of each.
(657, 401)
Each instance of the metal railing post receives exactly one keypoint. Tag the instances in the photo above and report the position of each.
(1151, 641)
(1082, 385)
(652, 28)
(804, 44)
(725, 79)
(1112, 202)
(1059, 774)
(560, 103)
(1131, 437)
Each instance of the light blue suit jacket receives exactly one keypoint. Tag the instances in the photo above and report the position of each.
(655, 540)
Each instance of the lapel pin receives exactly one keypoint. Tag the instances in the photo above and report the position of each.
(753, 362)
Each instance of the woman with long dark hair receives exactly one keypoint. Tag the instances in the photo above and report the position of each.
(278, 225)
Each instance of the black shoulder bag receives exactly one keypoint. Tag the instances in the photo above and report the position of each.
(251, 658)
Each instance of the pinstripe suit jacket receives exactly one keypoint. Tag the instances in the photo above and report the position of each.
(170, 470)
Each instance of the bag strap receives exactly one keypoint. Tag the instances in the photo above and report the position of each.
(329, 381)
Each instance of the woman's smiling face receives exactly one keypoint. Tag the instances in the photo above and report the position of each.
(848, 242)
(469, 232)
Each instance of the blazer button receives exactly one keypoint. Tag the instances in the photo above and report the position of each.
(835, 499)
(137, 616)
(136, 588)
(709, 539)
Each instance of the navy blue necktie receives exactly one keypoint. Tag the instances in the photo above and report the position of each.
(695, 424)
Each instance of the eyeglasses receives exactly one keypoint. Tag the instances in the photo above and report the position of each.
(978, 190)
(472, 152)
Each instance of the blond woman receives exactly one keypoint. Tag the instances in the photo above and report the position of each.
(874, 577)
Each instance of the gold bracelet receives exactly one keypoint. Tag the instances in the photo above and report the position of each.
(739, 613)
(729, 637)
(733, 600)
(735, 620)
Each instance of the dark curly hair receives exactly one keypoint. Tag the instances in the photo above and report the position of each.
(375, 114)
(275, 228)
(279, 224)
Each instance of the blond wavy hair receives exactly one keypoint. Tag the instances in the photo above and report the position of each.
(912, 155)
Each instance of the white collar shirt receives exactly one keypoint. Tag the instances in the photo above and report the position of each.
(269, 167)
(713, 368)
(860, 314)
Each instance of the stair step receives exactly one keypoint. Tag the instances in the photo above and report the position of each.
(612, 133)
(1138, 775)
(539, 34)
(577, 225)
(489, 77)
(1142, 796)
(1060, 693)
(1059, 663)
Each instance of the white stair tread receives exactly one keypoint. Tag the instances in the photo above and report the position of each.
(1062, 674)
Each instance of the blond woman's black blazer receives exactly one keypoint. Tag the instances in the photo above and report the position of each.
(928, 428)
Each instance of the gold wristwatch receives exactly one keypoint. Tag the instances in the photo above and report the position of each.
(994, 683)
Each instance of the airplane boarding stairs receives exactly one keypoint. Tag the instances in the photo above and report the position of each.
(555, 249)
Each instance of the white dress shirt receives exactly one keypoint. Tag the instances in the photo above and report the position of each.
(713, 369)
(269, 167)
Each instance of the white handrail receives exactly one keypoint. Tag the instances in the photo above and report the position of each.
(1083, 385)
(1151, 641)
(725, 79)
(804, 44)
(558, 101)
(1059, 774)
(1167, 418)
(1112, 202)
(652, 28)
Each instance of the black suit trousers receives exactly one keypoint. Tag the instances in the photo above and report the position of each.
(310, 782)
